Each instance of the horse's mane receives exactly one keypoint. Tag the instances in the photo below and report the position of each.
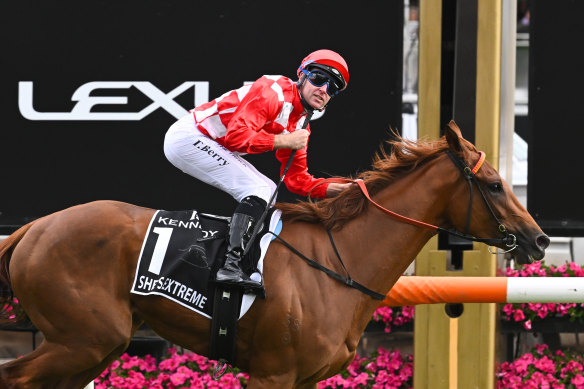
(333, 213)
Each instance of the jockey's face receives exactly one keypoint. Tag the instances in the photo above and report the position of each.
(315, 96)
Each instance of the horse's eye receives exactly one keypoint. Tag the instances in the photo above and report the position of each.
(496, 187)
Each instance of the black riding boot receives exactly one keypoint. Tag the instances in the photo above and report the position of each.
(240, 232)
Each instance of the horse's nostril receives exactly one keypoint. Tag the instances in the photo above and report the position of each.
(542, 241)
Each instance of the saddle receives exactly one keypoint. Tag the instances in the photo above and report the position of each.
(181, 253)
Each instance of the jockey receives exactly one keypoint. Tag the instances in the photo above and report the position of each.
(264, 116)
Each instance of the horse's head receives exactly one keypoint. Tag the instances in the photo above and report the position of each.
(492, 211)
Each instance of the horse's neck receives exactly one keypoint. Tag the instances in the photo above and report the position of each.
(379, 248)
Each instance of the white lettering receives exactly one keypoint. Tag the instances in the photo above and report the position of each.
(209, 234)
(148, 284)
(198, 300)
(203, 301)
(172, 287)
(169, 285)
(181, 292)
(159, 283)
(188, 224)
(159, 249)
(188, 294)
(85, 100)
(179, 223)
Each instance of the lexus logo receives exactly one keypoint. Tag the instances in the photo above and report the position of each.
(82, 109)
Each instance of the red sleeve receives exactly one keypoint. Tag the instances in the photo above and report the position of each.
(244, 131)
(298, 180)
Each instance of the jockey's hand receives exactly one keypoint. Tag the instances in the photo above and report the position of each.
(334, 188)
(295, 140)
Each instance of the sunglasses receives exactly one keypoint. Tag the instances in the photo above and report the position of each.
(318, 78)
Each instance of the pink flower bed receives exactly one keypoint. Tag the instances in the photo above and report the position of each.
(176, 370)
(383, 369)
(543, 369)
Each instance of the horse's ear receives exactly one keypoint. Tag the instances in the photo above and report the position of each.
(453, 137)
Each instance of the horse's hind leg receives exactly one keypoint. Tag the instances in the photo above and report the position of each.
(73, 349)
(56, 366)
(81, 380)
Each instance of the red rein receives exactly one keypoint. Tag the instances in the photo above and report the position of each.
(397, 216)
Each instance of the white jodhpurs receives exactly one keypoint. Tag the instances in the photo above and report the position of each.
(201, 157)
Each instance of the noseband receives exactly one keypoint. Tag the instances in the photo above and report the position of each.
(509, 240)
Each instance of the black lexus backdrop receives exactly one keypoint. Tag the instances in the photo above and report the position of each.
(556, 136)
(51, 49)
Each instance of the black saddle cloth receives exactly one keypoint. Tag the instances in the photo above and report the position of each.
(181, 253)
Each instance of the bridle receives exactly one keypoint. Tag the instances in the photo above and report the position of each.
(509, 240)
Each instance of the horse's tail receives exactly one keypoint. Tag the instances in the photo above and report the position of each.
(9, 309)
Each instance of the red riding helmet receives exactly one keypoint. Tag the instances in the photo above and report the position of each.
(329, 61)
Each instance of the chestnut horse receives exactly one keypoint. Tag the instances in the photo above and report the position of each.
(72, 271)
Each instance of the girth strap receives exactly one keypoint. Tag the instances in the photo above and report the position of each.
(345, 280)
